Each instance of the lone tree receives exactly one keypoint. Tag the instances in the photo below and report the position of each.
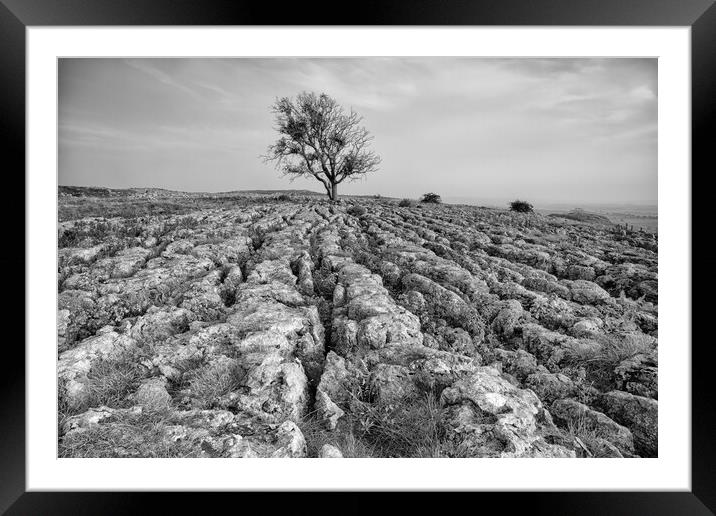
(319, 139)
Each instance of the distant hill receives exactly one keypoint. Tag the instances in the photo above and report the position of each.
(582, 216)
(89, 191)
(99, 191)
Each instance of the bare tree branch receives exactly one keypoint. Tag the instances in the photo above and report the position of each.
(319, 139)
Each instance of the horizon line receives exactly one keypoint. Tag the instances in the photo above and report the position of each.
(501, 200)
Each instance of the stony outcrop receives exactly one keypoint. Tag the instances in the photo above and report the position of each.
(638, 414)
(489, 417)
(570, 412)
(244, 330)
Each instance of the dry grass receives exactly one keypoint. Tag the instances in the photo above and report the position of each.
(135, 435)
(64, 410)
(112, 381)
(109, 382)
(92, 232)
(589, 437)
(193, 362)
(72, 208)
(316, 435)
(600, 361)
(117, 234)
(413, 426)
(208, 384)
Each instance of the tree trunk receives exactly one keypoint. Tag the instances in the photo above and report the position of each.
(334, 192)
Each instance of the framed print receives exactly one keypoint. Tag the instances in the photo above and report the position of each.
(450, 247)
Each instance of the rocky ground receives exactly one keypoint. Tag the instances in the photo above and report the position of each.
(288, 327)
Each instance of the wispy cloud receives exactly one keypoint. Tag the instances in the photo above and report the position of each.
(163, 138)
(144, 66)
(454, 125)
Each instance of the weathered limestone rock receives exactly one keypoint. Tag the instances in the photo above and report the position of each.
(74, 364)
(75, 255)
(328, 451)
(638, 414)
(203, 297)
(586, 292)
(268, 271)
(571, 412)
(278, 387)
(158, 325)
(224, 310)
(88, 419)
(438, 369)
(587, 327)
(375, 332)
(491, 418)
(445, 303)
(152, 394)
(63, 321)
(305, 274)
(580, 272)
(391, 383)
(638, 375)
(198, 433)
(507, 318)
(546, 345)
(125, 263)
(518, 363)
(549, 386)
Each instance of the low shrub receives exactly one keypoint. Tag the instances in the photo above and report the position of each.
(431, 198)
(357, 210)
(405, 203)
(521, 206)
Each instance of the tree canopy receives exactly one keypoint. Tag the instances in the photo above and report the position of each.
(319, 138)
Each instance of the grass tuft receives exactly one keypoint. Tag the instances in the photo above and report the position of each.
(413, 426)
(208, 384)
(109, 383)
(600, 361)
(589, 436)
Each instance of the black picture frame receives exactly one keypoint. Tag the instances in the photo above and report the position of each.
(17, 15)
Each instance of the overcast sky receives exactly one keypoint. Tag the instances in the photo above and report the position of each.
(546, 130)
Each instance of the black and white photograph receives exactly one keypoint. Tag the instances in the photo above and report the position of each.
(357, 257)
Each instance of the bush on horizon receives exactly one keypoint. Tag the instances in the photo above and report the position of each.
(431, 198)
(521, 206)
